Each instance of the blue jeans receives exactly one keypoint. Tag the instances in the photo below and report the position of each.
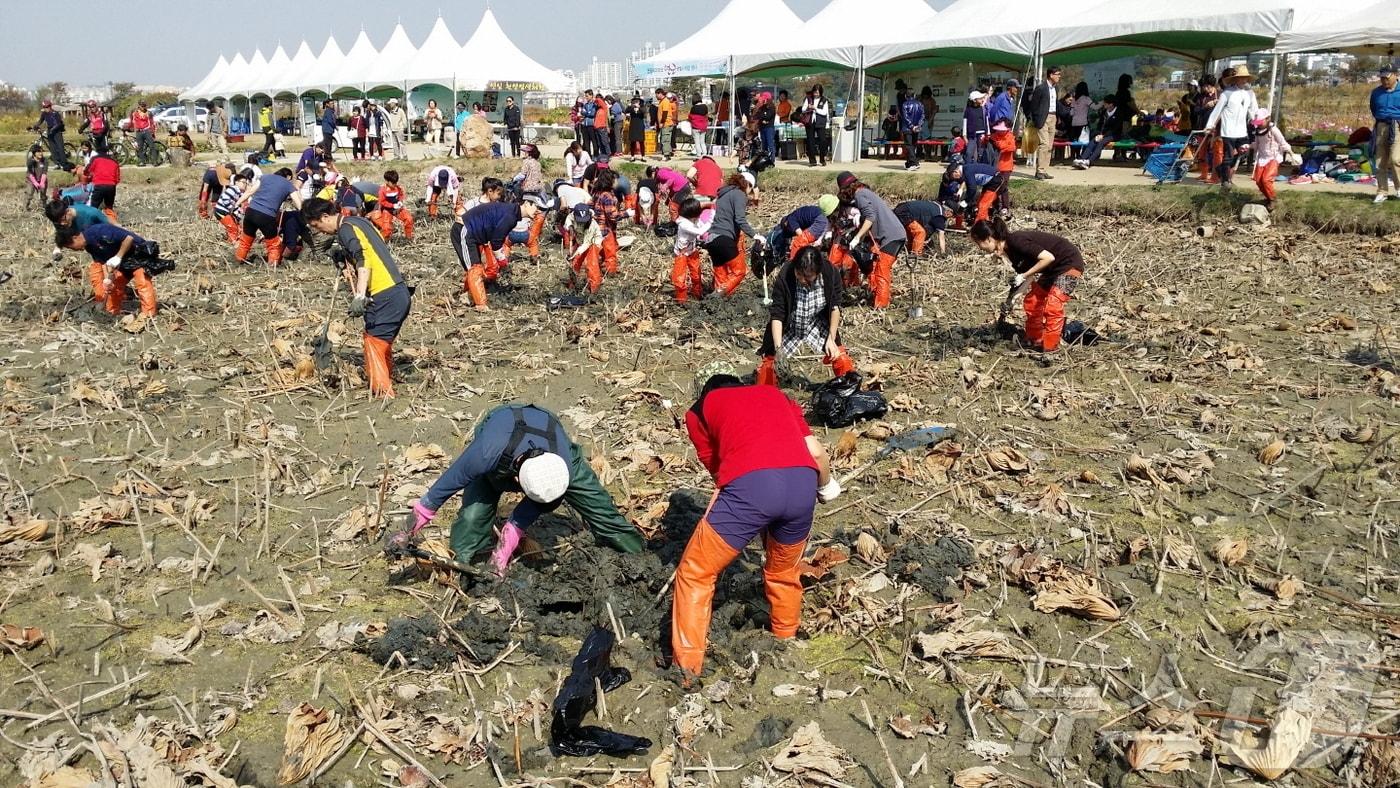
(769, 135)
(1096, 148)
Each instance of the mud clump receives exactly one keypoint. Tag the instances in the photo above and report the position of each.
(768, 732)
(487, 636)
(572, 594)
(932, 566)
(415, 639)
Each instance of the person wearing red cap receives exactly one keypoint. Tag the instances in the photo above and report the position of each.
(771, 472)
(50, 124)
(877, 220)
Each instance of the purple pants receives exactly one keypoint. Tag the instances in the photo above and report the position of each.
(775, 501)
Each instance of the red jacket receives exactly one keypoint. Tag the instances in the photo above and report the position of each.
(104, 171)
(1005, 143)
(748, 428)
(600, 113)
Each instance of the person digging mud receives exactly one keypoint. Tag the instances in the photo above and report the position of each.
(1054, 262)
(377, 289)
(111, 246)
(76, 218)
(806, 311)
(771, 471)
(518, 448)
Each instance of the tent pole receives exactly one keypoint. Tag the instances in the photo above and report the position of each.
(860, 101)
(1273, 81)
(733, 107)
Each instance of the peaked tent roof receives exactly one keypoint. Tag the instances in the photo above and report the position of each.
(200, 89)
(388, 67)
(742, 27)
(1192, 29)
(247, 83)
(436, 59)
(323, 71)
(276, 71)
(235, 71)
(354, 70)
(490, 56)
(1374, 30)
(833, 37)
(302, 62)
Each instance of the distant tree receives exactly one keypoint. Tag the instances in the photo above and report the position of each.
(123, 106)
(1363, 67)
(57, 92)
(685, 87)
(12, 99)
(121, 90)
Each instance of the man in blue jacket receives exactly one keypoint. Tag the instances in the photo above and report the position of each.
(522, 449)
(1385, 108)
(911, 119)
(328, 130)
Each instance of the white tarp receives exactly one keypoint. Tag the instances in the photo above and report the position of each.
(436, 59)
(200, 89)
(323, 71)
(742, 27)
(355, 68)
(1373, 30)
(388, 68)
(490, 60)
(834, 36)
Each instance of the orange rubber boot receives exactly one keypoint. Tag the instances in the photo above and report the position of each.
(96, 273)
(476, 285)
(489, 268)
(536, 230)
(706, 555)
(111, 215)
(783, 586)
(274, 250)
(984, 204)
(145, 292)
(407, 219)
(588, 266)
(880, 278)
(767, 374)
(379, 367)
(116, 294)
(917, 237)
(735, 270)
(1054, 312)
(245, 245)
(799, 242)
(680, 277)
(203, 210)
(231, 229)
(610, 253)
(1035, 315)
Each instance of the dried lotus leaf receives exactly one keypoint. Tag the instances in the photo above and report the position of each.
(869, 549)
(1272, 451)
(1230, 552)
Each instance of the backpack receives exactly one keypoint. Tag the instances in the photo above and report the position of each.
(840, 403)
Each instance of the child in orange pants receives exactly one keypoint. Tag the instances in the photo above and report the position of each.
(693, 223)
(1270, 150)
(392, 205)
(584, 257)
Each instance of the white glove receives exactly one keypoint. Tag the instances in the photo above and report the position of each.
(501, 255)
(114, 262)
(830, 491)
(1018, 280)
(57, 254)
(759, 242)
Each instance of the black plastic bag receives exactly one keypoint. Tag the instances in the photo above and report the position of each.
(665, 230)
(840, 403)
(567, 733)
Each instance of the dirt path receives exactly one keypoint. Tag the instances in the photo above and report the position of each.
(211, 561)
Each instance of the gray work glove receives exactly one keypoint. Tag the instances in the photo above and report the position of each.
(358, 304)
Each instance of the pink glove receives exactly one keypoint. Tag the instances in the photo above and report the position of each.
(422, 515)
(505, 548)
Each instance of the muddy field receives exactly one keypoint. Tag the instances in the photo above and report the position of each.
(1126, 547)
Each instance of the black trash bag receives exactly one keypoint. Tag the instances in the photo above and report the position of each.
(577, 697)
(762, 259)
(840, 403)
(665, 230)
(1076, 333)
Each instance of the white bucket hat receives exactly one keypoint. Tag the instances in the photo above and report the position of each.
(545, 478)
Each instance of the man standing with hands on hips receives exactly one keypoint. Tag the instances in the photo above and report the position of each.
(1040, 121)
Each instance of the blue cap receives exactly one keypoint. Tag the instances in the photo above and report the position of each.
(583, 213)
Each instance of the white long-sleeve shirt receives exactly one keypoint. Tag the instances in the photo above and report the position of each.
(1232, 112)
(1270, 146)
(689, 233)
(453, 182)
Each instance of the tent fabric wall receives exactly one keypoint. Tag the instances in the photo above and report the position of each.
(385, 75)
(320, 75)
(355, 69)
(832, 38)
(272, 76)
(1192, 29)
(435, 62)
(490, 56)
(200, 89)
(742, 27)
(1373, 30)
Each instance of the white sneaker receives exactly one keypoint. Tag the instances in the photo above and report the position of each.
(1081, 164)
(1380, 198)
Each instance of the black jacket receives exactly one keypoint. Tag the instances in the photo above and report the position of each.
(512, 117)
(1112, 126)
(784, 305)
(1037, 106)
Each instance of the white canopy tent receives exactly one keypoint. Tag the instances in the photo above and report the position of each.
(289, 81)
(201, 88)
(742, 27)
(385, 74)
(318, 78)
(489, 56)
(834, 37)
(257, 67)
(1373, 30)
(235, 72)
(435, 62)
(354, 71)
(273, 74)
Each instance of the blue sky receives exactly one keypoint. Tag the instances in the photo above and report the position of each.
(176, 43)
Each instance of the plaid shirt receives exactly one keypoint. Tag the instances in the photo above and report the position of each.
(806, 329)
